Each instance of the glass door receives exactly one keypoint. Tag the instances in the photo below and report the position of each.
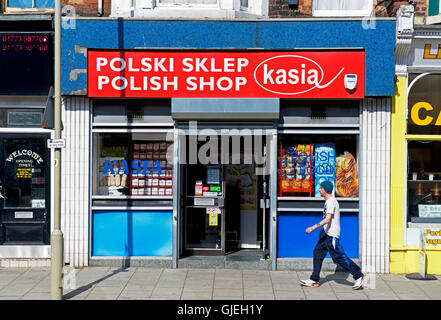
(204, 214)
(25, 190)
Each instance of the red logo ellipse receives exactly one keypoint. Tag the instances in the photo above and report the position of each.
(288, 74)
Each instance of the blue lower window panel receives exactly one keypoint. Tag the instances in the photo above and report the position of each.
(293, 242)
(132, 233)
(28, 3)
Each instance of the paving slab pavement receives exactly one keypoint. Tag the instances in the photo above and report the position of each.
(138, 283)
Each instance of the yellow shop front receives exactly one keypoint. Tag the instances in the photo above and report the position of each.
(415, 228)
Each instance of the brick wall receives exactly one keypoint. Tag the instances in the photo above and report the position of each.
(421, 7)
(88, 8)
(280, 8)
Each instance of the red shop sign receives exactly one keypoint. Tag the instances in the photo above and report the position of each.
(161, 74)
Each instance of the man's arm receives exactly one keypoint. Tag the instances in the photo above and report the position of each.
(320, 224)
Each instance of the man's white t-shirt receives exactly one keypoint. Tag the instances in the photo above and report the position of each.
(333, 227)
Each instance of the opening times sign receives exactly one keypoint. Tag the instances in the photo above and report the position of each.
(162, 74)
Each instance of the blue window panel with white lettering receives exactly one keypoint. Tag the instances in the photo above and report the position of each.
(293, 242)
(44, 3)
(132, 233)
(20, 3)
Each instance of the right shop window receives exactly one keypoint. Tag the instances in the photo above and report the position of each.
(305, 162)
(424, 180)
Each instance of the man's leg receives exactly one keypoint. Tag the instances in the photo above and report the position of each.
(320, 252)
(339, 257)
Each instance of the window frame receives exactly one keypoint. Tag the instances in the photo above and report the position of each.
(432, 19)
(341, 13)
(247, 8)
(95, 193)
(16, 10)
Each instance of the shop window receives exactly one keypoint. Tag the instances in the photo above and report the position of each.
(30, 4)
(424, 181)
(434, 12)
(132, 165)
(333, 8)
(424, 104)
(304, 162)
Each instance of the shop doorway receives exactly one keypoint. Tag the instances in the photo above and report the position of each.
(221, 199)
(24, 189)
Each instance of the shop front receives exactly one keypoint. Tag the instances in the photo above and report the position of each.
(25, 159)
(416, 220)
(211, 156)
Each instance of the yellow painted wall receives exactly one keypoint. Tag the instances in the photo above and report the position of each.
(398, 177)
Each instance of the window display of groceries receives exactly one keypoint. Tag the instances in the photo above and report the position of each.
(112, 184)
(324, 167)
(346, 176)
(303, 167)
(297, 169)
(157, 178)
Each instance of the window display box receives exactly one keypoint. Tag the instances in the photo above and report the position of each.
(153, 184)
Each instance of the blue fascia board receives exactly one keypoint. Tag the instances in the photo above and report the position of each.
(378, 42)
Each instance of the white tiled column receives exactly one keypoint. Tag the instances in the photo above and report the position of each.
(375, 191)
(75, 180)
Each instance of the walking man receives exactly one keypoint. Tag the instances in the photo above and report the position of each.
(329, 241)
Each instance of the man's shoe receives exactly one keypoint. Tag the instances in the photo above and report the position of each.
(359, 282)
(309, 283)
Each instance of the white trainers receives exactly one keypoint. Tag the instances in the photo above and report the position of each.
(309, 283)
(359, 282)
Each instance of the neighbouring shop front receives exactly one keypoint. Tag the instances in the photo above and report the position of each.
(25, 166)
(416, 221)
(214, 152)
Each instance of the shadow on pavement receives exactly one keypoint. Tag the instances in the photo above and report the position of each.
(90, 285)
(340, 278)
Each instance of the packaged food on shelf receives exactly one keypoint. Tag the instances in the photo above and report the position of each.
(286, 184)
(124, 180)
(346, 176)
(117, 180)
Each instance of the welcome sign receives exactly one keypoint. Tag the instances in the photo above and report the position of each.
(287, 74)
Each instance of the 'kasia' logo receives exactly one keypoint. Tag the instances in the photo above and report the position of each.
(290, 75)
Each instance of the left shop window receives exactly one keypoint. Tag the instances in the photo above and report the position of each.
(31, 4)
(132, 165)
(304, 162)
